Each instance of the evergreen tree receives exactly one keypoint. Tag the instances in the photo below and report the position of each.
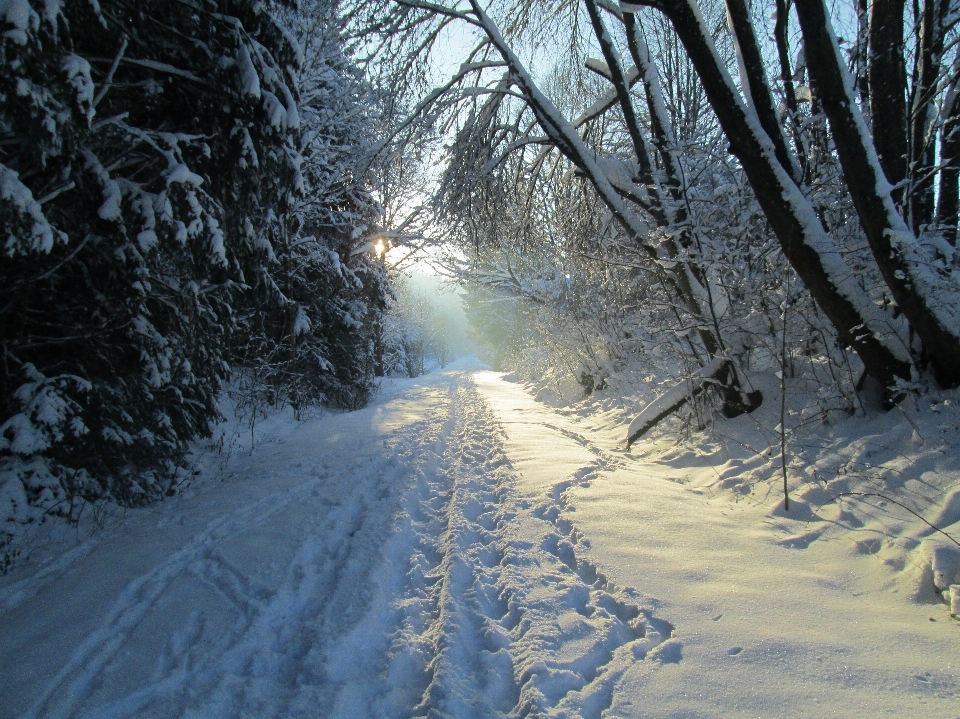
(147, 151)
(311, 336)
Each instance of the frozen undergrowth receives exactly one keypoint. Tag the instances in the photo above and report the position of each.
(878, 479)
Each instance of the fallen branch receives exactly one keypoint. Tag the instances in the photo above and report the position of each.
(674, 398)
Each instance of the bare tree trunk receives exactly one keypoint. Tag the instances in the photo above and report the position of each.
(862, 56)
(674, 398)
(780, 32)
(918, 292)
(735, 400)
(807, 247)
(888, 89)
(922, 114)
(947, 209)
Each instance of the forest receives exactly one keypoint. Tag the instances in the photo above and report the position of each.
(479, 358)
(208, 201)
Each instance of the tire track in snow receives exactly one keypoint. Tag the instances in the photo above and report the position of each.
(402, 657)
(514, 624)
(76, 681)
(347, 677)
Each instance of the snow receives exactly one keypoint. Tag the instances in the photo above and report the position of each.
(459, 549)
(774, 616)
(180, 173)
(41, 236)
(13, 500)
(301, 323)
(78, 75)
(110, 209)
(21, 16)
(249, 79)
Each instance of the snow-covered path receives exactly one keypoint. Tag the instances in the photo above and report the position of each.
(456, 550)
(378, 564)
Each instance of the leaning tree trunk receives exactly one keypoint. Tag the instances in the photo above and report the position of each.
(807, 247)
(923, 297)
(755, 83)
(780, 35)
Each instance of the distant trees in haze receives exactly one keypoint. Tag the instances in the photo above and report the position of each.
(421, 329)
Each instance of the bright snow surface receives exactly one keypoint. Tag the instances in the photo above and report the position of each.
(460, 550)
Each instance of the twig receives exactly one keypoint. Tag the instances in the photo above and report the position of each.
(899, 504)
(783, 399)
(108, 81)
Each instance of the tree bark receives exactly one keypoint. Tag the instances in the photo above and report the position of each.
(928, 306)
(887, 76)
(862, 57)
(947, 208)
(922, 113)
(811, 253)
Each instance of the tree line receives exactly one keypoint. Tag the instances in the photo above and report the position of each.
(184, 202)
(713, 186)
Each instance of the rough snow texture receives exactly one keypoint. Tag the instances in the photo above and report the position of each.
(818, 612)
(382, 564)
(421, 558)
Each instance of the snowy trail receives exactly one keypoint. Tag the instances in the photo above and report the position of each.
(763, 629)
(460, 550)
(376, 564)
